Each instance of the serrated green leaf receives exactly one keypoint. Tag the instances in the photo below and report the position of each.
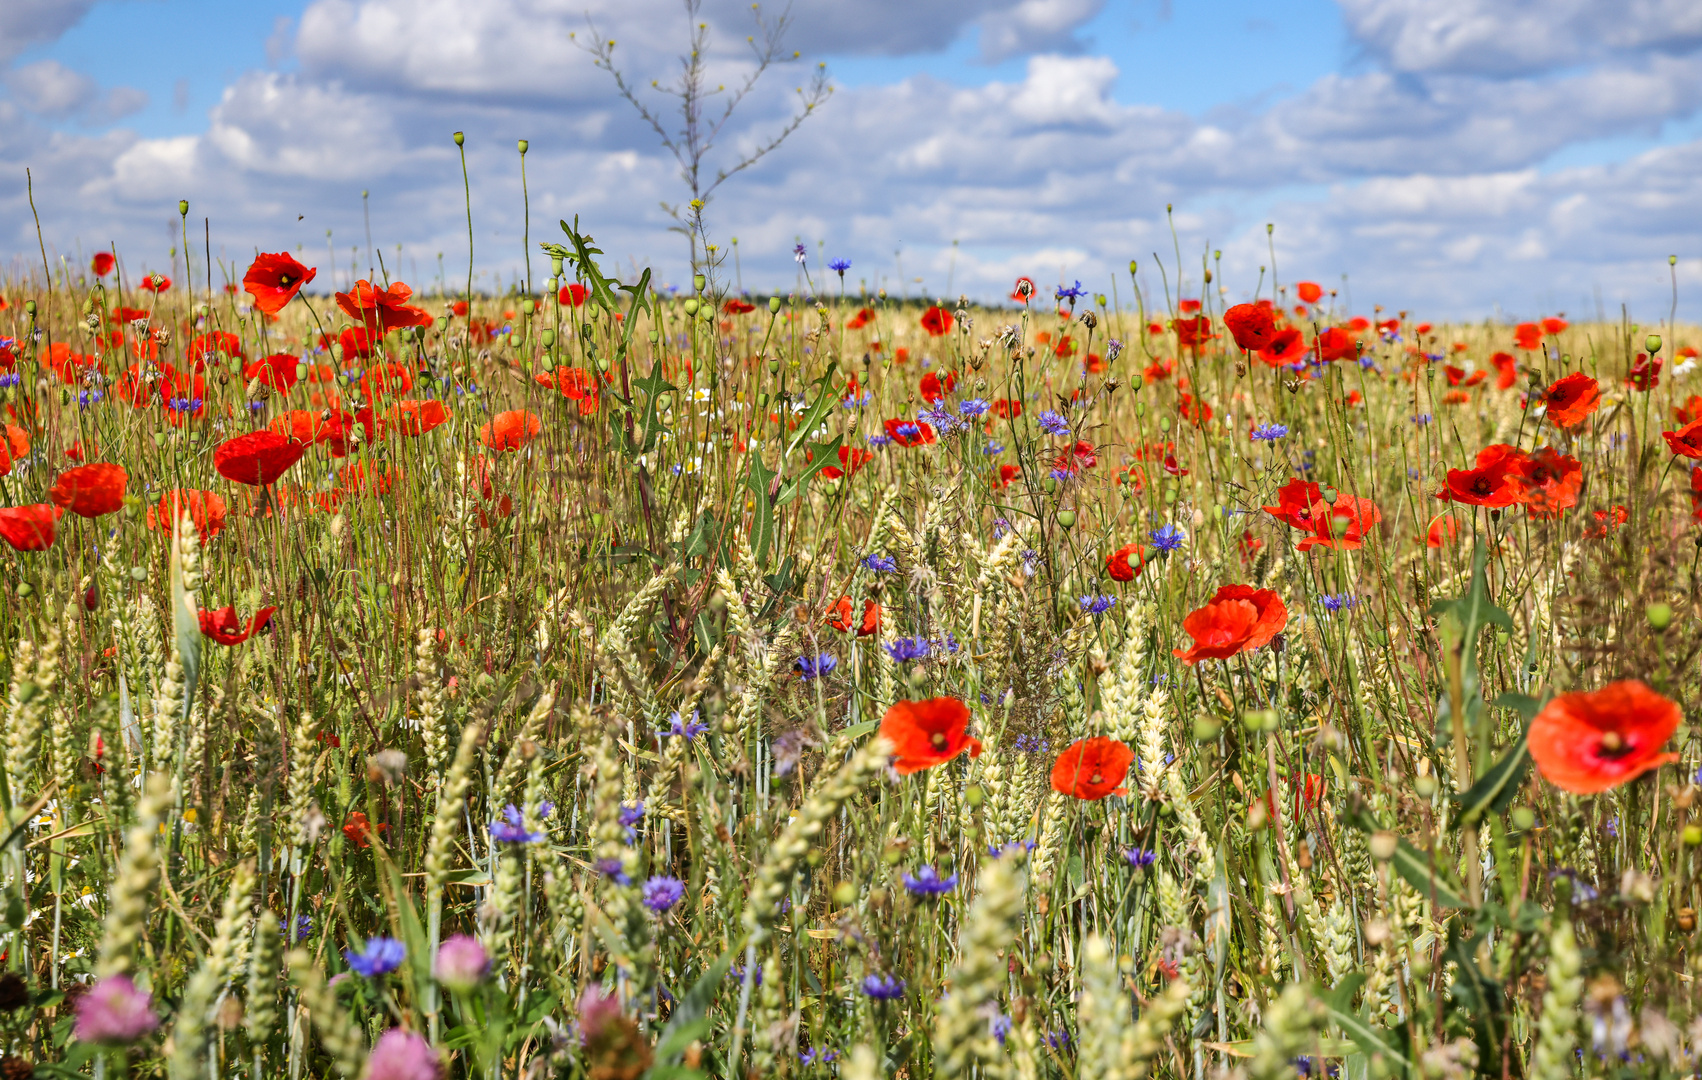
(825, 400)
(825, 454)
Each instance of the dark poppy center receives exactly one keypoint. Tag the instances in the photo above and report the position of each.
(1096, 778)
(1482, 486)
(939, 740)
(1613, 745)
(283, 279)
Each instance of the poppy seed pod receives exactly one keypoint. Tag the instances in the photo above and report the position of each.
(774, 305)
(460, 139)
(183, 207)
(691, 305)
(1523, 818)
(1652, 344)
(1660, 616)
(698, 282)
(1132, 267)
(524, 145)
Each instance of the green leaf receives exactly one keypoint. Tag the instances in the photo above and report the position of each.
(1411, 863)
(824, 454)
(688, 1020)
(1495, 789)
(826, 399)
(760, 481)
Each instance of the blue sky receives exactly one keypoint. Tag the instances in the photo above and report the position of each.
(1465, 158)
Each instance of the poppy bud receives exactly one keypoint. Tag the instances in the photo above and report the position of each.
(1384, 844)
(548, 337)
(1208, 277)
(1131, 267)
(183, 207)
(1523, 818)
(25, 590)
(523, 146)
(555, 266)
(698, 281)
(1660, 616)
(1050, 485)
(1692, 833)
(1067, 518)
(1672, 260)
(1652, 344)
(774, 305)
(691, 305)
(460, 139)
(29, 308)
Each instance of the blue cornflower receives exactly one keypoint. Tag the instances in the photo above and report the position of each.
(973, 407)
(947, 644)
(85, 398)
(629, 817)
(1001, 526)
(1422, 419)
(512, 829)
(381, 956)
(908, 431)
(1057, 1040)
(1270, 432)
(686, 729)
(662, 893)
(1167, 539)
(256, 406)
(613, 868)
(1031, 744)
(1097, 605)
(1613, 826)
(883, 987)
(1333, 603)
(1113, 349)
(799, 253)
(880, 564)
(999, 1027)
(303, 927)
(878, 440)
(1140, 858)
(814, 667)
(839, 266)
(927, 881)
(940, 419)
(905, 650)
(737, 972)
(993, 447)
(13, 379)
(1054, 424)
(1000, 851)
(1072, 294)
(183, 404)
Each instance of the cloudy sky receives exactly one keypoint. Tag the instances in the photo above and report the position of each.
(1458, 158)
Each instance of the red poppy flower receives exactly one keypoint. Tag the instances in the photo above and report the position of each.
(509, 431)
(1554, 326)
(381, 310)
(1126, 563)
(1690, 410)
(909, 432)
(154, 283)
(1090, 769)
(934, 388)
(1298, 503)
(1497, 479)
(339, 432)
(29, 528)
(1310, 292)
(1551, 482)
(1065, 348)
(90, 490)
(1002, 479)
(1248, 546)
(852, 459)
(1571, 399)
(1286, 346)
(356, 342)
(1607, 521)
(1006, 409)
(1528, 336)
(102, 263)
(936, 321)
(1506, 370)
(414, 418)
(258, 458)
(1443, 529)
(839, 617)
(863, 318)
(1589, 741)
(1251, 325)
(276, 371)
(274, 279)
(1343, 526)
(927, 733)
(1192, 332)
(1236, 619)
(1023, 290)
(225, 628)
(1077, 459)
(735, 306)
(203, 346)
(571, 295)
(359, 829)
(1645, 373)
(1195, 412)
(386, 378)
(1336, 344)
(205, 510)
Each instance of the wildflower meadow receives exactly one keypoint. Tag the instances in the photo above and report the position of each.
(594, 680)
